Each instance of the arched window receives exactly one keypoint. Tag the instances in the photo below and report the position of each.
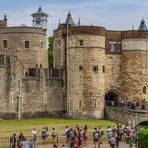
(144, 90)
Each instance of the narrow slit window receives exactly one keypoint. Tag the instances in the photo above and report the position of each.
(5, 43)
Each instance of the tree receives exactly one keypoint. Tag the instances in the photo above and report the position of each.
(50, 51)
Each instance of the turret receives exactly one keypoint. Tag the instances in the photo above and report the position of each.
(142, 25)
(69, 20)
(40, 19)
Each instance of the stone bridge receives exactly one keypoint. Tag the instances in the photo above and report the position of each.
(125, 114)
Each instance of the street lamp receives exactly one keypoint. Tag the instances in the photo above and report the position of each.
(19, 100)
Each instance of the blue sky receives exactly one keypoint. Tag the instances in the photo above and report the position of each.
(112, 14)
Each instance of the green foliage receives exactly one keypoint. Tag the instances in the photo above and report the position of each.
(8, 127)
(143, 139)
(50, 51)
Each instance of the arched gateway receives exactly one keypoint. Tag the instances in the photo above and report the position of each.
(111, 98)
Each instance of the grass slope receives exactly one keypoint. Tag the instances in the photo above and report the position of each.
(8, 127)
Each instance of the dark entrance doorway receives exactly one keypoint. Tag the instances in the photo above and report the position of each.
(111, 99)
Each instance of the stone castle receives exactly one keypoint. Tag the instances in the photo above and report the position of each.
(91, 67)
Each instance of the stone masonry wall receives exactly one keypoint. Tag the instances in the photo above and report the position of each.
(113, 72)
(39, 96)
(134, 68)
(86, 86)
(16, 36)
(124, 115)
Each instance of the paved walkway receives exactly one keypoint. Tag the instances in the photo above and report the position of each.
(89, 146)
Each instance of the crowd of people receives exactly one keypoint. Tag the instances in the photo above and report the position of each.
(124, 103)
(122, 133)
(76, 137)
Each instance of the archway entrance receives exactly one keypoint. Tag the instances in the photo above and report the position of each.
(111, 99)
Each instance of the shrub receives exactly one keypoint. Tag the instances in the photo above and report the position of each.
(143, 139)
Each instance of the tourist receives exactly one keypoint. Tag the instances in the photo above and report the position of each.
(67, 134)
(85, 135)
(31, 144)
(43, 135)
(54, 146)
(13, 141)
(96, 138)
(53, 135)
(100, 132)
(34, 134)
(109, 133)
(46, 128)
(20, 138)
(72, 138)
(113, 141)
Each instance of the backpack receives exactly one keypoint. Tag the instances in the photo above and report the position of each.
(96, 136)
(68, 133)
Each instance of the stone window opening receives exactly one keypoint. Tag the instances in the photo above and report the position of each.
(42, 45)
(2, 59)
(103, 69)
(144, 90)
(5, 43)
(95, 68)
(81, 43)
(26, 44)
(38, 21)
(119, 46)
(112, 46)
(80, 104)
(80, 68)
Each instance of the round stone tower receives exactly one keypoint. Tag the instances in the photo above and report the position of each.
(135, 63)
(85, 71)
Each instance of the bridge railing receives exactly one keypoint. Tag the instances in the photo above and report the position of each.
(129, 106)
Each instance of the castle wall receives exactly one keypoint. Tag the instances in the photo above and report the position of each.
(16, 37)
(86, 86)
(113, 64)
(38, 96)
(12, 72)
(59, 52)
(134, 67)
(3, 24)
(42, 100)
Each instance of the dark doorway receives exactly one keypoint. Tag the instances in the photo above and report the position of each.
(111, 99)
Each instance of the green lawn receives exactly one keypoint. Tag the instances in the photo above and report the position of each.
(7, 127)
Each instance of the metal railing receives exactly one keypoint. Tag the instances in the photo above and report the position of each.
(59, 140)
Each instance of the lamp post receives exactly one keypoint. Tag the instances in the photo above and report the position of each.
(19, 100)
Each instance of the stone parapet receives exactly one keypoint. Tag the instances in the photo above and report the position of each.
(134, 34)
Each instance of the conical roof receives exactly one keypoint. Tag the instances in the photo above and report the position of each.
(69, 20)
(40, 13)
(142, 25)
(79, 22)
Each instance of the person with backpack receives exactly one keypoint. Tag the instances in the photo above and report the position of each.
(43, 135)
(96, 138)
(67, 134)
